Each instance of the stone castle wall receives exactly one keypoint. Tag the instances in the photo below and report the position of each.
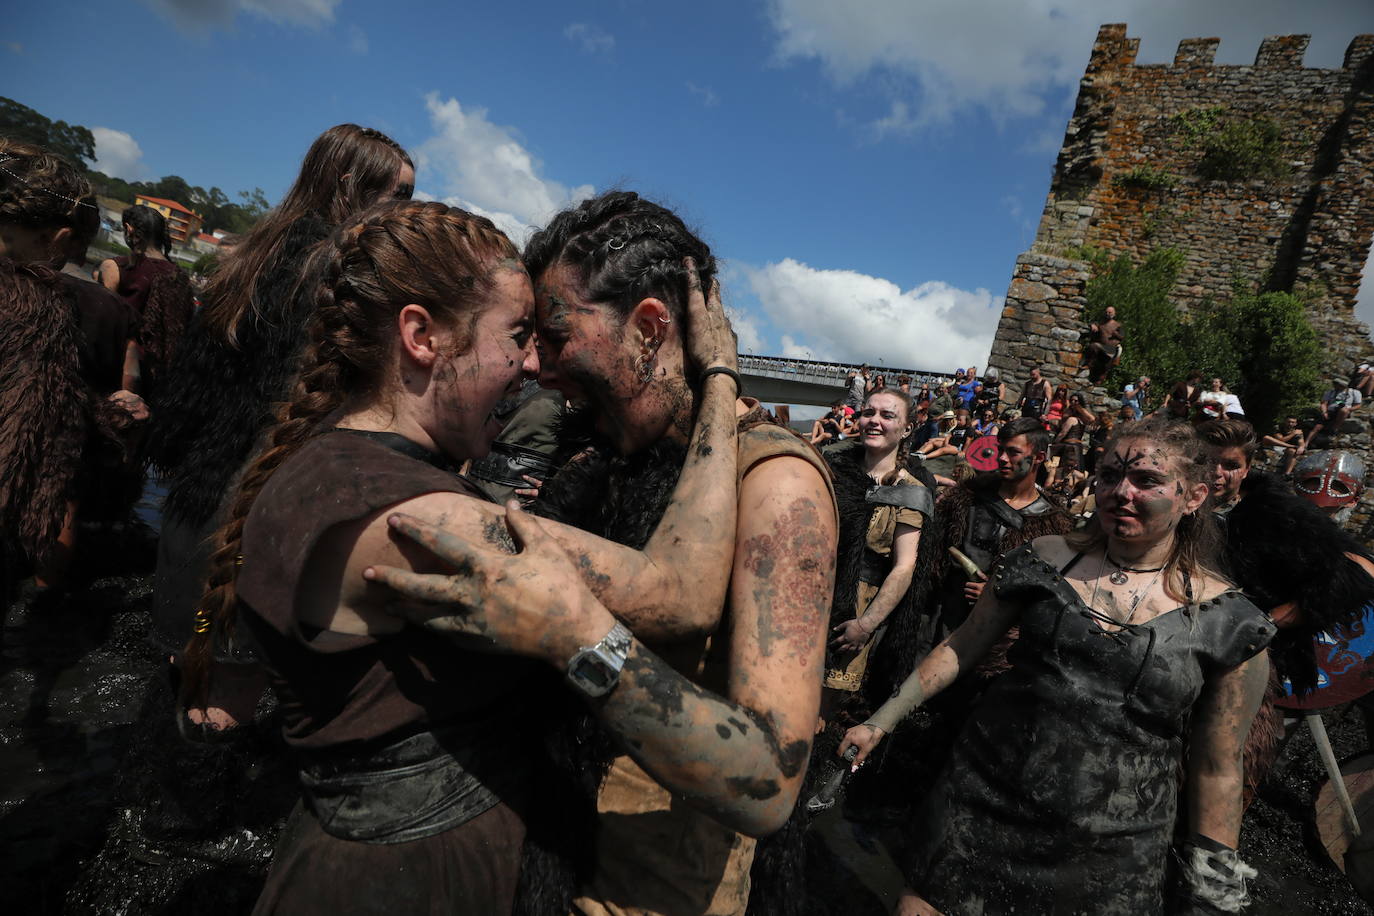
(1310, 230)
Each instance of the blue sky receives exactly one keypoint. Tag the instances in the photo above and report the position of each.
(867, 170)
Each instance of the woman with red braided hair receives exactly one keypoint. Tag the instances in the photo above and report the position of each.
(715, 699)
(418, 755)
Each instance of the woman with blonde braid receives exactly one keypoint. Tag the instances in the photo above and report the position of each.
(418, 754)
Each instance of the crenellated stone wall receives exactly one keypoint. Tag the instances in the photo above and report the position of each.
(1307, 230)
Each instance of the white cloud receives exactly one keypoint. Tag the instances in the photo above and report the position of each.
(855, 317)
(592, 39)
(117, 154)
(705, 93)
(357, 40)
(203, 15)
(940, 57)
(483, 167)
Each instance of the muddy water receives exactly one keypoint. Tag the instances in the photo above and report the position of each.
(103, 810)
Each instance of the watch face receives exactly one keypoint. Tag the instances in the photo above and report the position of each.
(592, 672)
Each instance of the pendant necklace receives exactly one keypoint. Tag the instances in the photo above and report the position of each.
(1135, 600)
(1119, 577)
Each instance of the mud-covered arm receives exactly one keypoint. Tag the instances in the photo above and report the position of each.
(675, 587)
(988, 622)
(1221, 721)
(742, 757)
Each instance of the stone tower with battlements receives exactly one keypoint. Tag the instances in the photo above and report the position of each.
(1127, 181)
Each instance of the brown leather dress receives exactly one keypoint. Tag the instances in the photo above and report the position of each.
(372, 836)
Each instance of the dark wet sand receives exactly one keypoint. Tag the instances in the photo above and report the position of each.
(71, 686)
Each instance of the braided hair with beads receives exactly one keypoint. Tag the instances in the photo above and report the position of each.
(622, 249)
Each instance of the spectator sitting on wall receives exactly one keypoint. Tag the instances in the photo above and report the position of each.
(827, 428)
(1362, 380)
(926, 425)
(1104, 347)
(1286, 443)
(968, 390)
(1133, 396)
(1035, 395)
(944, 400)
(1217, 402)
(1336, 407)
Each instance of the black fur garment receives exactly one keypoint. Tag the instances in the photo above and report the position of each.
(1281, 548)
(215, 399)
(893, 658)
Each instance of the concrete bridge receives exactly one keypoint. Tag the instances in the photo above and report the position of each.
(777, 380)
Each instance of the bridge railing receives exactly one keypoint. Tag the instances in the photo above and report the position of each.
(820, 372)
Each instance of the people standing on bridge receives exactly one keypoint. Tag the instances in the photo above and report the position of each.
(857, 385)
(1035, 395)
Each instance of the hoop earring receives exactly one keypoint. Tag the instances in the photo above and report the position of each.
(644, 366)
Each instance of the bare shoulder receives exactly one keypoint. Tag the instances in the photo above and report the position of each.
(782, 479)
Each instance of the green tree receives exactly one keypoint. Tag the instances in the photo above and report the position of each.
(72, 142)
(1260, 344)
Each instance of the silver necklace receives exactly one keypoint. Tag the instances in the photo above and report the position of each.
(1135, 600)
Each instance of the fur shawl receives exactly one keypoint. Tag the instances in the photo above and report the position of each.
(217, 398)
(1280, 548)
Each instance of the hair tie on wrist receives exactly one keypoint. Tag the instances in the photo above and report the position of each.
(723, 370)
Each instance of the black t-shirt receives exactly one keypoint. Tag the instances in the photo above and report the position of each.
(106, 324)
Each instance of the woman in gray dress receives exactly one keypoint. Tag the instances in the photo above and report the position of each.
(1062, 792)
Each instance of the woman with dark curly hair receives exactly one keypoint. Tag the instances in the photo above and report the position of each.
(157, 290)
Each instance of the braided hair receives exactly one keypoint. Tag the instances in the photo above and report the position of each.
(396, 254)
(42, 191)
(622, 249)
(145, 228)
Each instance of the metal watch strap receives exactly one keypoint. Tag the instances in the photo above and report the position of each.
(595, 670)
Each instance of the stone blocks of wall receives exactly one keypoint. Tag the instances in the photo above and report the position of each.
(1042, 323)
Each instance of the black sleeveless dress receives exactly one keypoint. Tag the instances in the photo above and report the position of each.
(1062, 790)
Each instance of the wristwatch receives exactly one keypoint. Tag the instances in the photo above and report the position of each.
(595, 670)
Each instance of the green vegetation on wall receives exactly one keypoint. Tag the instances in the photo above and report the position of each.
(1260, 344)
(1234, 146)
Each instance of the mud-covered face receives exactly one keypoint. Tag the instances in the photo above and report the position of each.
(469, 387)
(1142, 493)
(1231, 468)
(588, 354)
(883, 423)
(1330, 480)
